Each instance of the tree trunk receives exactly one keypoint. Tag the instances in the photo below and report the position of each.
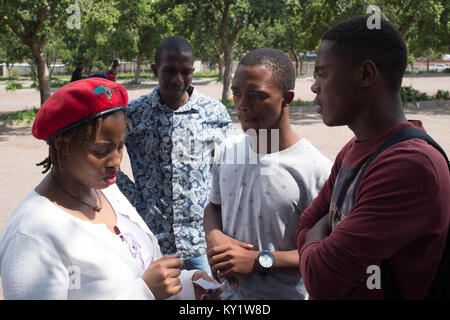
(227, 73)
(301, 65)
(297, 70)
(221, 63)
(43, 74)
(137, 72)
(9, 67)
(220, 55)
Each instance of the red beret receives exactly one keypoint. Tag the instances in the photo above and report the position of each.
(76, 103)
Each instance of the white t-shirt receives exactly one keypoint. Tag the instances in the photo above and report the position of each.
(262, 198)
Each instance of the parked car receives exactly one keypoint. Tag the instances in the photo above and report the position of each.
(438, 67)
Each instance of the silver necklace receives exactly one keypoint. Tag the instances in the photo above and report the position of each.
(95, 208)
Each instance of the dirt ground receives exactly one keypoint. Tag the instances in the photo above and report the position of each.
(19, 151)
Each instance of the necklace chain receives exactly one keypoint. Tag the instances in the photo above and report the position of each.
(95, 208)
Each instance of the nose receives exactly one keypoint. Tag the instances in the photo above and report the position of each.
(241, 104)
(315, 87)
(177, 79)
(116, 158)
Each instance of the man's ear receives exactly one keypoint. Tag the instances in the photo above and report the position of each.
(368, 73)
(154, 70)
(288, 96)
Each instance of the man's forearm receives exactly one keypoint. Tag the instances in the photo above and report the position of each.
(212, 219)
(286, 261)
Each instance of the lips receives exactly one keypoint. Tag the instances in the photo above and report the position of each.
(111, 178)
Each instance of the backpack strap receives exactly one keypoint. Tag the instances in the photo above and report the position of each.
(387, 278)
(401, 135)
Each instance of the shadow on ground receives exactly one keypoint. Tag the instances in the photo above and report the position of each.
(7, 130)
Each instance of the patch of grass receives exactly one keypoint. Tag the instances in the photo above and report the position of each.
(53, 84)
(409, 94)
(442, 95)
(130, 75)
(296, 103)
(424, 72)
(58, 84)
(228, 103)
(9, 78)
(302, 103)
(214, 74)
(19, 116)
(13, 86)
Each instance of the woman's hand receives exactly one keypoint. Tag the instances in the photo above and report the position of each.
(162, 276)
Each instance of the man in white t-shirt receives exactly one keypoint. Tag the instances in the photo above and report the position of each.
(262, 182)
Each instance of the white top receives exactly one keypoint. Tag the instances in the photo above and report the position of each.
(262, 197)
(136, 241)
(46, 253)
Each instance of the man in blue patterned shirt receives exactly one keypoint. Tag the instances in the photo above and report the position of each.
(171, 144)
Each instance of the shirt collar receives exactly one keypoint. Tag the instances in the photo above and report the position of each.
(191, 104)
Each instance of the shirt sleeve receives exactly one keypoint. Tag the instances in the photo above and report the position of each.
(29, 271)
(392, 206)
(319, 206)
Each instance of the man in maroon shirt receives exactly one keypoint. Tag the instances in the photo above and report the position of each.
(400, 212)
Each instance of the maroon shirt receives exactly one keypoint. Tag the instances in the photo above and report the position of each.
(401, 210)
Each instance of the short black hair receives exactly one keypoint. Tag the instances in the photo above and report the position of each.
(173, 43)
(355, 42)
(278, 61)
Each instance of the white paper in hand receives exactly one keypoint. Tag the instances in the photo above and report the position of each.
(208, 284)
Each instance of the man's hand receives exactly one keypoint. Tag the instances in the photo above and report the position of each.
(320, 230)
(232, 260)
(203, 294)
(217, 238)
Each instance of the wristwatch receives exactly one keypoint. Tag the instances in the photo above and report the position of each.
(266, 261)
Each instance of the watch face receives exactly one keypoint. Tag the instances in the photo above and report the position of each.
(265, 261)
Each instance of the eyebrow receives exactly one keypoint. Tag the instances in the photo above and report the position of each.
(250, 90)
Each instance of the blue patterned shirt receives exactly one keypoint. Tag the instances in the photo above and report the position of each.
(171, 155)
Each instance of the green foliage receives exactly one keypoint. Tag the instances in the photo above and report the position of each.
(13, 86)
(53, 84)
(24, 115)
(409, 94)
(129, 75)
(302, 103)
(442, 95)
(228, 103)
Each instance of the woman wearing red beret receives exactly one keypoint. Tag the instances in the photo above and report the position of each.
(76, 236)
